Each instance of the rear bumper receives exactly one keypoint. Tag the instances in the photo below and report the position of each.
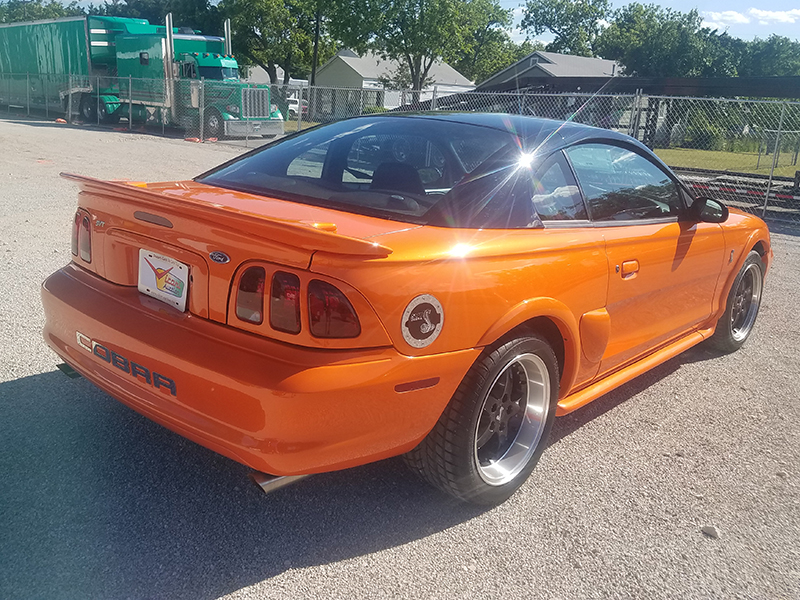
(277, 408)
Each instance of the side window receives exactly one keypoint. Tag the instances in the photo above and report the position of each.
(621, 185)
(556, 196)
(309, 163)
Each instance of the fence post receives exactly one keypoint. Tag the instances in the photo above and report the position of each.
(201, 108)
(630, 120)
(46, 87)
(299, 108)
(130, 102)
(774, 160)
(97, 87)
(638, 121)
(28, 91)
(435, 94)
(69, 99)
(634, 109)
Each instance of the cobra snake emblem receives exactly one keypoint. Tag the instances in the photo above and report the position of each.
(427, 326)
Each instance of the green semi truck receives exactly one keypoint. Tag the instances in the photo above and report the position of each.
(107, 68)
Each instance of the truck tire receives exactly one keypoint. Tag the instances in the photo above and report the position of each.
(106, 117)
(88, 108)
(213, 125)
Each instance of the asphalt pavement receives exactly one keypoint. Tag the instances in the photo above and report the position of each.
(98, 502)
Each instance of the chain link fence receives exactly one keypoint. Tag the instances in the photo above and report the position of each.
(744, 152)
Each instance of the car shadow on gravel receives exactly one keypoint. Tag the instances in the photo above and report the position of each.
(97, 501)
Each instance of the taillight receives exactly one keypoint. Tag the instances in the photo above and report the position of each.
(85, 240)
(76, 225)
(284, 302)
(330, 313)
(250, 296)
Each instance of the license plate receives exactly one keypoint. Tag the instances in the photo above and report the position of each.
(163, 278)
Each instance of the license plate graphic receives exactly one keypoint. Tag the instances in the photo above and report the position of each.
(163, 278)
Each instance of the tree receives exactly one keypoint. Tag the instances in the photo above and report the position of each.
(415, 33)
(487, 47)
(34, 10)
(199, 15)
(575, 23)
(652, 41)
(271, 33)
(776, 56)
(485, 37)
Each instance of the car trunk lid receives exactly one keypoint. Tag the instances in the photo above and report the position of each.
(212, 231)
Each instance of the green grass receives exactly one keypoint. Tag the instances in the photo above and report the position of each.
(741, 162)
(291, 126)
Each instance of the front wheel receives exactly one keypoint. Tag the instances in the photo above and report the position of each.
(493, 431)
(744, 300)
(213, 126)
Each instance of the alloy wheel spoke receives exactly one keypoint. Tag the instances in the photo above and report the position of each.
(485, 435)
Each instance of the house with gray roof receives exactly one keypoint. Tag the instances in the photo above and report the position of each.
(349, 70)
(553, 64)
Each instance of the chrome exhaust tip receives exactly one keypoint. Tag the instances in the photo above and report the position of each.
(270, 483)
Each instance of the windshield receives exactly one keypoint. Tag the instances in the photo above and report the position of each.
(419, 170)
(219, 73)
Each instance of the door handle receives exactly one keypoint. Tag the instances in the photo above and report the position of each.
(629, 269)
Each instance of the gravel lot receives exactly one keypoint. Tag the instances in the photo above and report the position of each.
(98, 502)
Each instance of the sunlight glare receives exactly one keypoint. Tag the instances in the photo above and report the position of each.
(525, 161)
(460, 250)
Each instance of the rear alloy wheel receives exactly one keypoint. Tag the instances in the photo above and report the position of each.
(744, 300)
(491, 435)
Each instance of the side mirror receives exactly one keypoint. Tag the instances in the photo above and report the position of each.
(708, 210)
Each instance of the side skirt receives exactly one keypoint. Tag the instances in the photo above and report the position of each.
(583, 397)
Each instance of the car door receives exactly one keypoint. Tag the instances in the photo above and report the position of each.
(662, 270)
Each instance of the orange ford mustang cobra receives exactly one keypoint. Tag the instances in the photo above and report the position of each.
(440, 286)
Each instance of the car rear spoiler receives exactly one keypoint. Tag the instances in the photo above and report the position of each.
(300, 234)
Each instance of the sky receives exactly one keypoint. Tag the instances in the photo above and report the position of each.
(744, 19)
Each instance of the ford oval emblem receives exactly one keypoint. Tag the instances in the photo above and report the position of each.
(219, 257)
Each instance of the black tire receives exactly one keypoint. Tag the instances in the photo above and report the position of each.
(213, 125)
(466, 454)
(741, 310)
(88, 109)
(109, 118)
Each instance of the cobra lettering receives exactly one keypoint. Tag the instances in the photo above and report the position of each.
(135, 370)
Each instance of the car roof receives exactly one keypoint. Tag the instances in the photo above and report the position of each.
(538, 131)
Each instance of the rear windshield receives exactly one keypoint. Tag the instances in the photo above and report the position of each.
(408, 169)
